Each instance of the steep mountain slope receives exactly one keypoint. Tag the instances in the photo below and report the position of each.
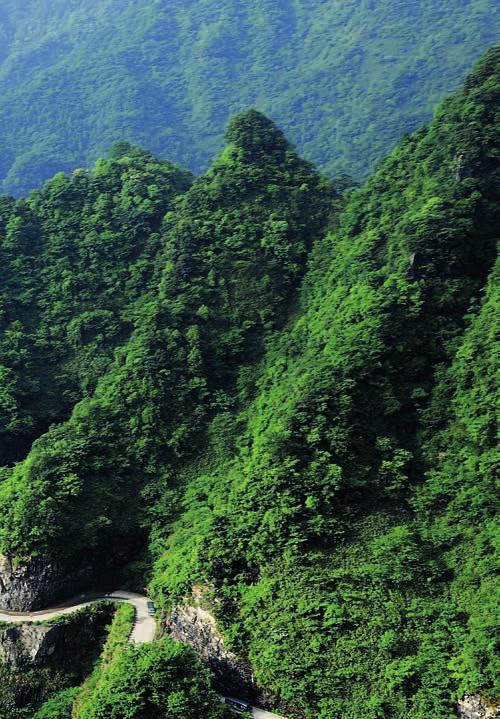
(75, 258)
(233, 250)
(348, 577)
(301, 422)
(456, 506)
(345, 80)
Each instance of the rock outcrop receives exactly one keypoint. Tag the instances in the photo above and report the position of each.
(23, 644)
(194, 625)
(38, 659)
(65, 642)
(475, 707)
(34, 584)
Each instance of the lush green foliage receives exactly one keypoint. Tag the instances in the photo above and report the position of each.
(75, 259)
(157, 681)
(456, 505)
(320, 532)
(59, 707)
(322, 459)
(233, 249)
(344, 79)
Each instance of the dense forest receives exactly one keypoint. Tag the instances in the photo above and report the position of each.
(281, 390)
(345, 80)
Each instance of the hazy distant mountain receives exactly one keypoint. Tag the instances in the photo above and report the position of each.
(344, 79)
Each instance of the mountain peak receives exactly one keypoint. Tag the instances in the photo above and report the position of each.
(255, 133)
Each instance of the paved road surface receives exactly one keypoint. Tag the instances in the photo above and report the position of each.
(144, 629)
(261, 714)
(257, 713)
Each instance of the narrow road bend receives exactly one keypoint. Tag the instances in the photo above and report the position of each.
(144, 628)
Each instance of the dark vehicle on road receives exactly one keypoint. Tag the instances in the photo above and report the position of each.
(151, 608)
(238, 705)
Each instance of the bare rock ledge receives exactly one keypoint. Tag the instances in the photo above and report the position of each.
(36, 583)
(475, 707)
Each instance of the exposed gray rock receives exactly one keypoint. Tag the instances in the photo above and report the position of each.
(66, 642)
(196, 626)
(23, 644)
(193, 623)
(37, 659)
(23, 586)
(34, 584)
(474, 707)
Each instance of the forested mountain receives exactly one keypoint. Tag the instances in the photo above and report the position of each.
(345, 79)
(75, 258)
(285, 392)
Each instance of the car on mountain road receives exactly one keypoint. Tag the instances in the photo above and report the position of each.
(237, 705)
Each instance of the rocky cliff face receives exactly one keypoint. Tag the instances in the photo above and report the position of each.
(65, 643)
(196, 626)
(36, 583)
(24, 644)
(193, 623)
(474, 707)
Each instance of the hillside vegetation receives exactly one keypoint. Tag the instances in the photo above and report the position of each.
(75, 259)
(138, 682)
(295, 406)
(345, 80)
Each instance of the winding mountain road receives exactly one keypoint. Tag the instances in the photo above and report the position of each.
(143, 631)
